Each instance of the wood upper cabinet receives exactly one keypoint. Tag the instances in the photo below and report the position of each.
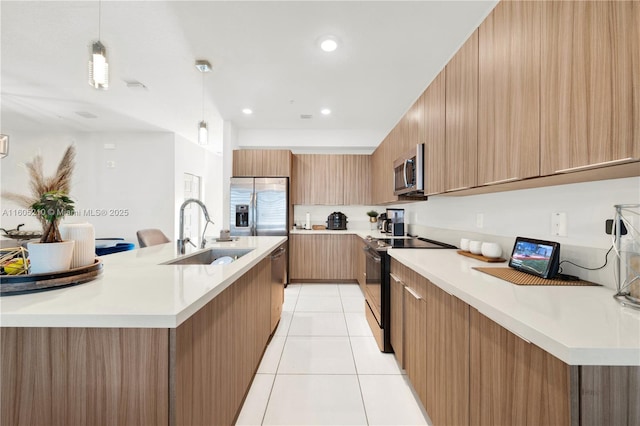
(590, 87)
(462, 116)
(433, 135)
(356, 179)
(321, 257)
(513, 381)
(262, 162)
(509, 93)
(331, 179)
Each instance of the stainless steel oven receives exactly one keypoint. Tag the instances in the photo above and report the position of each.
(378, 268)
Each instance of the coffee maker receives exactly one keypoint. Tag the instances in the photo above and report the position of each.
(395, 222)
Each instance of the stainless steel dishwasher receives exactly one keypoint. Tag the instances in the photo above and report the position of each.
(279, 278)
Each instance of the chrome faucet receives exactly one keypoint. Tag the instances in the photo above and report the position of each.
(182, 240)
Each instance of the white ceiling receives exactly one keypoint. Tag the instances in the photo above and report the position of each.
(265, 57)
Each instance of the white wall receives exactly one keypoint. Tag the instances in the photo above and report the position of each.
(136, 193)
(199, 161)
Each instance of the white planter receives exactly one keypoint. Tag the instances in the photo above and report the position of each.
(50, 257)
(84, 250)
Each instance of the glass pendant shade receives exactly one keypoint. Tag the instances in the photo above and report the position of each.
(203, 133)
(98, 67)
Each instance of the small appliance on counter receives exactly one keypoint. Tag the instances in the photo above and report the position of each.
(395, 222)
(337, 221)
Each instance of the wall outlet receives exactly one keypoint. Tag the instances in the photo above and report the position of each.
(479, 220)
(111, 164)
(559, 224)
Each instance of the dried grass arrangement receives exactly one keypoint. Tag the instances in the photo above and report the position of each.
(49, 195)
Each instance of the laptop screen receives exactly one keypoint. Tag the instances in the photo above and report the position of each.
(535, 257)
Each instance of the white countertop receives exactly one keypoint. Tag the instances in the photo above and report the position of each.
(136, 290)
(579, 325)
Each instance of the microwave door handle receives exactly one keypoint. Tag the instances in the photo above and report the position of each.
(404, 173)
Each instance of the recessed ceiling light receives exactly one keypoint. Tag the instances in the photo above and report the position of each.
(247, 111)
(325, 111)
(329, 43)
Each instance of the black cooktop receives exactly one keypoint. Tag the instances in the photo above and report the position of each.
(415, 243)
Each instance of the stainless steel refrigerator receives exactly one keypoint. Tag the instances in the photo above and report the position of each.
(259, 206)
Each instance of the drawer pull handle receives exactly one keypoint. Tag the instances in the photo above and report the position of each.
(413, 293)
(395, 278)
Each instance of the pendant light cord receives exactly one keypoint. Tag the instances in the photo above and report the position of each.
(202, 96)
(99, 18)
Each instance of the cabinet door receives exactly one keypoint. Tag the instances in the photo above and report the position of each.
(462, 116)
(512, 381)
(243, 163)
(447, 345)
(509, 93)
(434, 135)
(302, 181)
(322, 257)
(356, 179)
(397, 314)
(415, 345)
(262, 162)
(590, 88)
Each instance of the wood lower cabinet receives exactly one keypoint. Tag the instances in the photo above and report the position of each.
(198, 373)
(414, 343)
(462, 116)
(84, 376)
(435, 350)
(515, 382)
(509, 93)
(396, 294)
(217, 350)
(322, 257)
(590, 87)
(262, 162)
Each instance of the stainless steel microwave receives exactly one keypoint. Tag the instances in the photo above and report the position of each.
(408, 172)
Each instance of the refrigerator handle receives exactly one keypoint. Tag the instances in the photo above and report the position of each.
(253, 214)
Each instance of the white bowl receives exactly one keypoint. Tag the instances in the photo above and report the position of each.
(464, 244)
(475, 247)
(492, 250)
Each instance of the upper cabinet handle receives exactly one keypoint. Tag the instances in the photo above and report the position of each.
(596, 165)
(501, 181)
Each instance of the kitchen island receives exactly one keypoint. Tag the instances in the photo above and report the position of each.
(144, 343)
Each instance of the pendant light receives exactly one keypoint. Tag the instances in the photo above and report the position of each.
(4, 146)
(203, 131)
(98, 66)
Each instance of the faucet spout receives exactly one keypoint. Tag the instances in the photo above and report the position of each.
(181, 240)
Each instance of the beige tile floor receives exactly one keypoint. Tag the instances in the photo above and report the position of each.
(323, 367)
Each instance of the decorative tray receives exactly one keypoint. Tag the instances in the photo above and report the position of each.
(481, 257)
(21, 284)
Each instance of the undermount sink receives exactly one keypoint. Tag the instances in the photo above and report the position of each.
(208, 256)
